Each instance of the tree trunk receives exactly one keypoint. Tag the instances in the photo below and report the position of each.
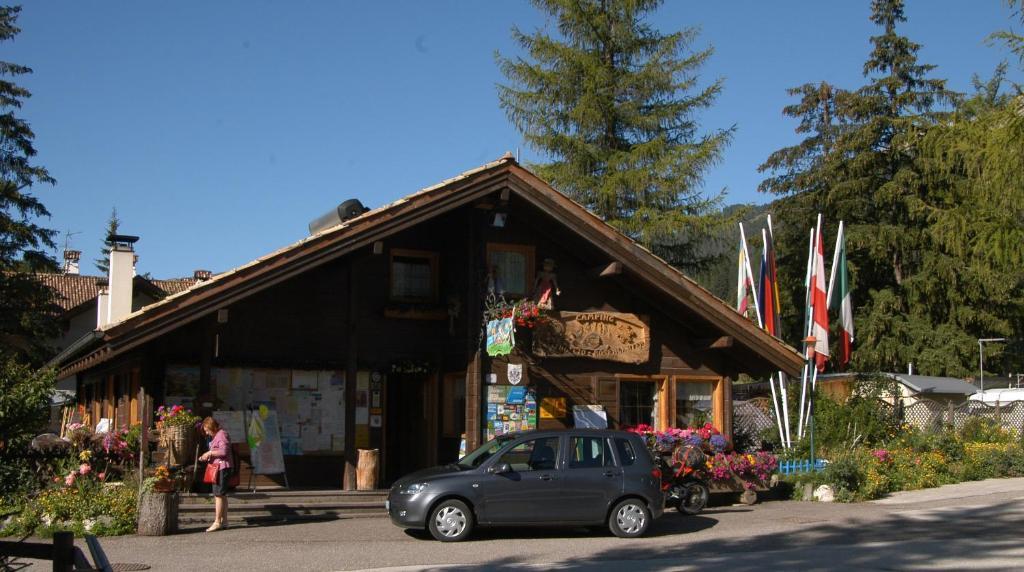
(158, 514)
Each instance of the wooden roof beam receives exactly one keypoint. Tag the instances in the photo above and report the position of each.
(610, 269)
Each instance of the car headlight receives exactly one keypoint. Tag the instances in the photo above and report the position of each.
(414, 488)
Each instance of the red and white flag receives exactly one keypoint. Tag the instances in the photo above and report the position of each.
(819, 302)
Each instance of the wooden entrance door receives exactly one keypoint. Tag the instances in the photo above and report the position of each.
(411, 441)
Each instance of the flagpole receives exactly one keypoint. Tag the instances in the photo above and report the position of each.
(750, 274)
(788, 442)
(812, 364)
(807, 332)
(771, 377)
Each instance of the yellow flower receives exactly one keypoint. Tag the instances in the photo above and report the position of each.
(85, 455)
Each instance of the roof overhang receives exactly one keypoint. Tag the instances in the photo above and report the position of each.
(360, 232)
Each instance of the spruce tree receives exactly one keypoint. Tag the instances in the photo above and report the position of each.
(113, 225)
(26, 318)
(613, 104)
(860, 164)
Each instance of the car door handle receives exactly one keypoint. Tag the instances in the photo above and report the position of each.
(611, 474)
(546, 477)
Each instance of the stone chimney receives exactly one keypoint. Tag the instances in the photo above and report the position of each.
(71, 258)
(122, 271)
(102, 303)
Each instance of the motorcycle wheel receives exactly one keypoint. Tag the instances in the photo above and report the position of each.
(695, 499)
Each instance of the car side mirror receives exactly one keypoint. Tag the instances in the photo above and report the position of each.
(500, 469)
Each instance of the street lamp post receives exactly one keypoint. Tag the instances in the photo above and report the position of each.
(981, 358)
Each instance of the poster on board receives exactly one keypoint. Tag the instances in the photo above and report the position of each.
(265, 441)
(233, 422)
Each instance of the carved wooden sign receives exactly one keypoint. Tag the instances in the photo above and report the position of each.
(609, 336)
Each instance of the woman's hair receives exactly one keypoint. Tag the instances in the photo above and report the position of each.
(211, 425)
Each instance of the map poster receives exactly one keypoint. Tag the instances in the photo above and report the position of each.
(267, 456)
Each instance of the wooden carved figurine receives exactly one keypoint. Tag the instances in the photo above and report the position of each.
(546, 286)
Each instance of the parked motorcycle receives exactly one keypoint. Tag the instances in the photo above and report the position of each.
(684, 481)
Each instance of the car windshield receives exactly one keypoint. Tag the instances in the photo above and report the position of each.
(483, 452)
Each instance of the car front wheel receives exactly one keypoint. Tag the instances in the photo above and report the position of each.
(629, 519)
(451, 521)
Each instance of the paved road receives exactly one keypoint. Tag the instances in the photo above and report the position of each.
(968, 526)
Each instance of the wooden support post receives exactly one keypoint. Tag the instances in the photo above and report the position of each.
(351, 370)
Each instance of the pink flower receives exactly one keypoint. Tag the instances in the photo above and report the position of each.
(84, 468)
(70, 479)
(102, 476)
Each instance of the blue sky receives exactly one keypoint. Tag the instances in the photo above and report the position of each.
(220, 129)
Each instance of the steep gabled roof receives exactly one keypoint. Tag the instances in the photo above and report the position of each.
(329, 244)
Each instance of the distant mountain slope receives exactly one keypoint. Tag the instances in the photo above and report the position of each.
(720, 279)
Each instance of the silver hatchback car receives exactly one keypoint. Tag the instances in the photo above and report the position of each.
(573, 477)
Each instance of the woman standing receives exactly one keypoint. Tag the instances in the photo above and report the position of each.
(219, 456)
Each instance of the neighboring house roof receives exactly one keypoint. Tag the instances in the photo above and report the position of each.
(931, 384)
(361, 231)
(916, 383)
(73, 291)
(174, 285)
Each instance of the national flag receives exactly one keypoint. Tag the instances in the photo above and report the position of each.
(745, 279)
(819, 302)
(841, 301)
(768, 288)
(742, 282)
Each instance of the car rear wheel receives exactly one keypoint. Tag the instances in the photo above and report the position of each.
(629, 519)
(451, 521)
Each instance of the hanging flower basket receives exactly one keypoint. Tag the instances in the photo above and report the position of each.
(179, 441)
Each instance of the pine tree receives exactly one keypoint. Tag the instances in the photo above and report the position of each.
(25, 304)
(859, 163)
(113, 224)
(612, 103)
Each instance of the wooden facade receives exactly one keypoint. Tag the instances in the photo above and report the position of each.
(406, 284)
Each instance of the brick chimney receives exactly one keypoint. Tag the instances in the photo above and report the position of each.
(202, 275)
(71, 258)
(122, 271)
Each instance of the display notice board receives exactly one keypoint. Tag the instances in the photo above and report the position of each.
(264, 439)
(510, 408)
(233, 422)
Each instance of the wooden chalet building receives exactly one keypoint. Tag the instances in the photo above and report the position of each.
(370, 333)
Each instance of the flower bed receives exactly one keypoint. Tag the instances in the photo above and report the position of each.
(726, 470)
(917, 460)
(84, 491)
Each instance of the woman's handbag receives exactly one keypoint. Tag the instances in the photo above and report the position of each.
(210, 476)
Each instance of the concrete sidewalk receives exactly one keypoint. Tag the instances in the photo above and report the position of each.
(957, 491)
